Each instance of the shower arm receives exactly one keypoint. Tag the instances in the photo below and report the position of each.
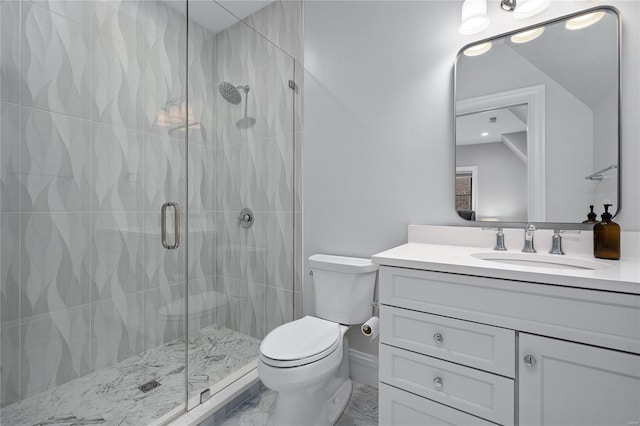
(246, 100)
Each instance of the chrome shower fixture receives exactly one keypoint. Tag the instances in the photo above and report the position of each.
(230, 92)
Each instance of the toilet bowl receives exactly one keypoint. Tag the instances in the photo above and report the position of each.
(301, 376)
(307, 360)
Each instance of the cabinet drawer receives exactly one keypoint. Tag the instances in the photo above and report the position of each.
(482, 394)
(400, 408)
(476, 345)
(597, 318)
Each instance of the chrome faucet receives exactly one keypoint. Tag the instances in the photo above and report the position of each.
(528, 238)
(556, 243)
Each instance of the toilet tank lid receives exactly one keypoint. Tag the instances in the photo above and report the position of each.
(352, 265)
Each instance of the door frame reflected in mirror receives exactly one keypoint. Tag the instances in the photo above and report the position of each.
(534, 98)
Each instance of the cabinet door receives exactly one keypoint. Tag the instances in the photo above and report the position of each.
(563, 383)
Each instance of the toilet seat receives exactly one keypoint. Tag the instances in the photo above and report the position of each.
(300, 342)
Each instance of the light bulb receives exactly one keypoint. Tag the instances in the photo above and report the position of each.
(528, 8)
(474, 17)
(528, 35)
(478, 49)
(584, 21)
(175, 115)
(163, 119)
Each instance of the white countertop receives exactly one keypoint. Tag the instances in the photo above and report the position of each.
(623, 275)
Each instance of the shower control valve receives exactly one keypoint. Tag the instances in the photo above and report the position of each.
(246, 218)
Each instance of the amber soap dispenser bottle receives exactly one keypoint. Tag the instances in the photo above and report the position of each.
(606, 237)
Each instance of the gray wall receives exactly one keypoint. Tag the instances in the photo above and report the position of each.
(501, 180)
(379, 127)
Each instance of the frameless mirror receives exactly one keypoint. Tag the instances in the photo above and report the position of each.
(537, 121)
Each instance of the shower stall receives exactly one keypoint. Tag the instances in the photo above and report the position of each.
(149, 202)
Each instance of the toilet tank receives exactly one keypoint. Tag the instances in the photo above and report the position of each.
(343, 287)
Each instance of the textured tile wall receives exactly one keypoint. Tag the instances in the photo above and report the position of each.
(259, 167)
(84, 169)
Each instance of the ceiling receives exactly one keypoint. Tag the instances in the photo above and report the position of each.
(471, 127)
(217, 16)
(564, 55)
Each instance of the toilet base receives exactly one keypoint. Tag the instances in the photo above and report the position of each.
(339, 401)
(290, 406)
(302, 408)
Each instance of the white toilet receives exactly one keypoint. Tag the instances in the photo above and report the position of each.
(307, 361)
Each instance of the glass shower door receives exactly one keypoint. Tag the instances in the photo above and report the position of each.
(241, 193)
(93, 120)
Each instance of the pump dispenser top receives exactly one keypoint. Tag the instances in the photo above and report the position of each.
(591, 216)
(606, 237)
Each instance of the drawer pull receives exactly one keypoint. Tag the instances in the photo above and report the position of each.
(437, 383)
(529, 361)
(438, 338)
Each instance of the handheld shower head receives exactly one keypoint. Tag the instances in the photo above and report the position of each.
(230, 93)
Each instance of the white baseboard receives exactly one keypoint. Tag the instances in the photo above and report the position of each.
(364, 367)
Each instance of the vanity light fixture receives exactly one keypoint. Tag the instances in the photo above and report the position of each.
(474, 17)
(478, 49)
(528, 35)
(584, 21)
(528, 8)
(508, 5)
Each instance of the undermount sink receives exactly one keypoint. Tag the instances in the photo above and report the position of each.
(541, 260)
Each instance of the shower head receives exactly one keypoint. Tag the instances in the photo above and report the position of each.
(230, 92)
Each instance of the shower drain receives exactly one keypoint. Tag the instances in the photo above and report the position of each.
(149, 386)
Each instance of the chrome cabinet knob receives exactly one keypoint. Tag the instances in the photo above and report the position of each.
(437, 383)
(529, 361)
(438, 338)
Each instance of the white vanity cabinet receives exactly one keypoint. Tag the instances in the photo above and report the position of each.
(466, 350)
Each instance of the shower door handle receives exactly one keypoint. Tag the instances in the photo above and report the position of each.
(176, 225)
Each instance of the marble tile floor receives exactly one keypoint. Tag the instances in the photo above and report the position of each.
(110, 396)
(362, 409)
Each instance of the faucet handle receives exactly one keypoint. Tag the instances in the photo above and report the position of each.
(500, 241)
(556, 243)
(499, 237)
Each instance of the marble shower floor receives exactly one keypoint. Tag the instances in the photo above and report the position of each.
(362, 409)
(110, 396)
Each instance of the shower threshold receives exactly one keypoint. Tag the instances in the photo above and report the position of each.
(110, 396)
